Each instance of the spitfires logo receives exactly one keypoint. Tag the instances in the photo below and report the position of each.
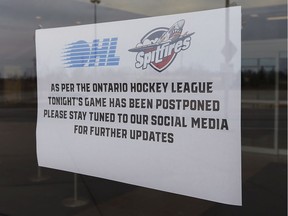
(159, 47)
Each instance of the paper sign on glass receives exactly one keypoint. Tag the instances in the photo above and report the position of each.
(153, 102)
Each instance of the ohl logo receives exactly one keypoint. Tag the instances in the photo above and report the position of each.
(99, 53)
(159, 47)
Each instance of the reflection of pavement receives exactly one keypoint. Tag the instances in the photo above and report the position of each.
(18, 114)
(19, 195)
(264, 194)
(258, 126)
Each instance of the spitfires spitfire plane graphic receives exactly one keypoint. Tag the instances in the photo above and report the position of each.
(159, 47)
(171, 35)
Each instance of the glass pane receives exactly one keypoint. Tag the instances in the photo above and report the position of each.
(27, 190)
(258, 125)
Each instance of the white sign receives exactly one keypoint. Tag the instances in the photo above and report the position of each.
(153, 102)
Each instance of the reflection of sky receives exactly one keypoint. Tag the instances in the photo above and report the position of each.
(163, 7)
(20, 18)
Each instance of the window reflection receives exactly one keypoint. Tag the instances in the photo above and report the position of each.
(264, 105)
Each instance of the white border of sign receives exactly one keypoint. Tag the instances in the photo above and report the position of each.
(153, 102)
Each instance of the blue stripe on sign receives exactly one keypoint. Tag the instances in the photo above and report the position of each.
(100, 48)
(78, 54)
(113, 59)
(76, 50)
(78, 46)
(76, 58)
(113, 63)
(112, 52)
(83, 61)
(102, 60)
(98, 53)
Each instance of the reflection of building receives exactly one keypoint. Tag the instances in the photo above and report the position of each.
(264, 41)
(17, 87)
(260, 60)
(264, 54)
(12, 84)
(264, 79)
